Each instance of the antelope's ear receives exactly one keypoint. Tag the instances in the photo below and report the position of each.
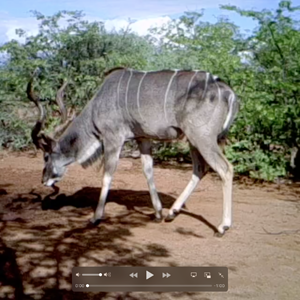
(46, 143)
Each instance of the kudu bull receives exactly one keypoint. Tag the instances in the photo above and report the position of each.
(159, 105)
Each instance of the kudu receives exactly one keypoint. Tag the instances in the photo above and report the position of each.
(158, 105)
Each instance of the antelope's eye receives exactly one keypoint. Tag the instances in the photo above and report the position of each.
(46, 158)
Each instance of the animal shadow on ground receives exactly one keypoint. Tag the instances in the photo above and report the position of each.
(132, 200)
(37, 262)
(39, 249)
(88, 197)
(37, 255)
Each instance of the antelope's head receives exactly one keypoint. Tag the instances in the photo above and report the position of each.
(55, 162)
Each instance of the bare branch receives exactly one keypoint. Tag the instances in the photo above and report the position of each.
(60, 103)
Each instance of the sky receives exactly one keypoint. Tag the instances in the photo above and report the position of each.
(116, 13)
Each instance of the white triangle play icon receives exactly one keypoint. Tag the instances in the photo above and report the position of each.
(148, 275)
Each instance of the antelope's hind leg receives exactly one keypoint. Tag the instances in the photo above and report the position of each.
(211, 152)
(200, 168)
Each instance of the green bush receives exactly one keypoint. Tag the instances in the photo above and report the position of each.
(262, 68)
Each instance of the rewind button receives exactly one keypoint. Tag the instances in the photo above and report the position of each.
(132, 275)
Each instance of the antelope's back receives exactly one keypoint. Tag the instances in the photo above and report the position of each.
(158, 100)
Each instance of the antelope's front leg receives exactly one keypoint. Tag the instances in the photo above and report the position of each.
(111, 157)
(147, 162)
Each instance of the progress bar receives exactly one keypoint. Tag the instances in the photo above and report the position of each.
(149, 285)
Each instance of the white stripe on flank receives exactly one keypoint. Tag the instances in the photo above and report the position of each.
(138, 104)
(138, 96)
(188, 89)
(231, 100)
(166, 94)
(118, 89)
(89, 151)
(219, 91)
(126, 95)
(205, 87)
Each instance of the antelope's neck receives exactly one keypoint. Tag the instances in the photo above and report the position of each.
(80, 146)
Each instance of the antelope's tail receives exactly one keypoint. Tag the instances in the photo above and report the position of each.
(233, 108)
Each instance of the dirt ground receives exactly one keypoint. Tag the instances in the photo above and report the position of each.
(42, 237)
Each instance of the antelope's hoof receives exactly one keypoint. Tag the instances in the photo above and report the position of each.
(222, 232)
(171, 217)
(95, 221)
(218, 234)
(157, 219)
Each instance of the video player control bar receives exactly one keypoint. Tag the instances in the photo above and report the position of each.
(163, 279)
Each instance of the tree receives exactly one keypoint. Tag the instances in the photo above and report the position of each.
(66, 48)
(262, 68)
(272, 107)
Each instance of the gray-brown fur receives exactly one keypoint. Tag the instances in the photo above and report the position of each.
(151, 121)
(161, 105)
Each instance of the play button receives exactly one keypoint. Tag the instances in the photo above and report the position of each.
(148, 275)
